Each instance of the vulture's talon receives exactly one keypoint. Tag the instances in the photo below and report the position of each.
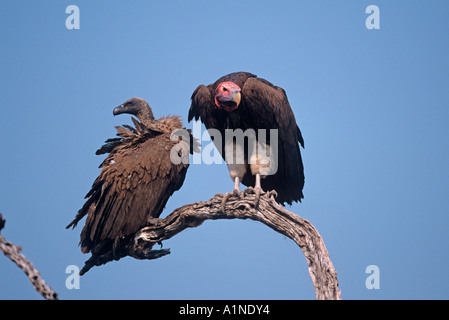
(272, 194)
(249, 190)
(237, 193)
(228, 195)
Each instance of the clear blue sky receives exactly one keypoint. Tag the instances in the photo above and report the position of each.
(373, 106)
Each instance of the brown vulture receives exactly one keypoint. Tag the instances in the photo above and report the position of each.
(136, 180)
(243, 101)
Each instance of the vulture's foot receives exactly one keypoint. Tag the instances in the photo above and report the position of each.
(269, 194)
(228, 195)
(256, 191)
(249, 190)
(272, 194)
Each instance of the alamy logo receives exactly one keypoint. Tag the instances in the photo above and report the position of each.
(73, 20)
(73, 280)
(373, 20)
(249, 146)
(373, 280)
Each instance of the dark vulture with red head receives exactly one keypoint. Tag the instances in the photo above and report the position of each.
(243, 101)
(136, 180)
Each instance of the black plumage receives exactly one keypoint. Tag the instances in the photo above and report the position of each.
(241, 100)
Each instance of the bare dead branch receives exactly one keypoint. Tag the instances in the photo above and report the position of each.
(13, 252)
(269, 212)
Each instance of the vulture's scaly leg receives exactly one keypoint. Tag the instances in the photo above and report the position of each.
(257, 186)
(235, 192)
(258, 189)
(236, 186)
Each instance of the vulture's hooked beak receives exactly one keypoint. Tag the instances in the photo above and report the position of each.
(118, 110)
(236, 96)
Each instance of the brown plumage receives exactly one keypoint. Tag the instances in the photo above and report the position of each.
(241, 100)
(136, 180)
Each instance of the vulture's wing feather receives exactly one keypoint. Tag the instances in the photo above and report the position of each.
(134, 185)
(202, 100)
(266, 102)
(266, 106)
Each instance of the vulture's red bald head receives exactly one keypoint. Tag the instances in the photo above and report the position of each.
(228, 96)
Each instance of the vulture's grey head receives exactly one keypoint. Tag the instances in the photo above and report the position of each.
(135, 106)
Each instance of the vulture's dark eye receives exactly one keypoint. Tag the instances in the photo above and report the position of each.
(225, 89)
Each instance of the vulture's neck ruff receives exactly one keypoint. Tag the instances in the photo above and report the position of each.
(145, 115)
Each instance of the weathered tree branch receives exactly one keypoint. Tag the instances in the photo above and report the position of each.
(269, 212)
(13, 252)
